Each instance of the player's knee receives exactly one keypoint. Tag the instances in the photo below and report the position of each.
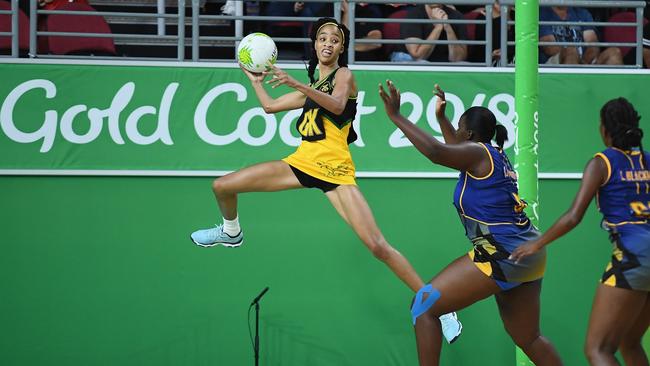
(379, 248)
(221, 185)
(430, 313)
(422, 306)
(381, 252)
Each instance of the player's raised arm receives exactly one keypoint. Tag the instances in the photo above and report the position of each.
(463, 156)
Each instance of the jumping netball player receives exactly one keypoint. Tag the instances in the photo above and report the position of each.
(619, 179)
(492, 214)
(323, 158)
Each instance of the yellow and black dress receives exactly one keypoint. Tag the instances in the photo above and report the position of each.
(624, 201)
(324, 153)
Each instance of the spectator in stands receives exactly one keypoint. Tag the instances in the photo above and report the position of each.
(292, 29)
(362, 30)
(292, 9)
(477, 52)
(572, 33)
(432, 32)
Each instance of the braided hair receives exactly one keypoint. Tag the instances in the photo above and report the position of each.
(483, 123)
(621, 122)
(313, 58)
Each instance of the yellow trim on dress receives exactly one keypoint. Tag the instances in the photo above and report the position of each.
(626, 155)
(609, 166)
(462, 192)
(625, 223)
(491, 165)
(484, 267)
(496, 223)
(611, 280)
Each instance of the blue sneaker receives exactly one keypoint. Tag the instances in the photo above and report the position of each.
(214, 236)
(451, 327)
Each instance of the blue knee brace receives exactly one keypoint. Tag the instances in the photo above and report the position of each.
(420, 307)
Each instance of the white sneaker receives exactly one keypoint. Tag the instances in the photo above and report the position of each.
(451, 326)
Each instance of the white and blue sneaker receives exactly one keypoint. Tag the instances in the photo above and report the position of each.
(215, 236)
(451, 327)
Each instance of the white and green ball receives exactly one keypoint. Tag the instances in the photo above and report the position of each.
(256, 51)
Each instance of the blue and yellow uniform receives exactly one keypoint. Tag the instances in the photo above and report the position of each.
(494, 220)
(324, 152)
(624, 201)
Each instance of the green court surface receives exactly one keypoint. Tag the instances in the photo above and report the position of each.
(100, 271)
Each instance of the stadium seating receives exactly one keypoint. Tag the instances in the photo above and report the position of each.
(621, 34)
(471, 28)
(5, 26)
(392, 30)
(61, 45)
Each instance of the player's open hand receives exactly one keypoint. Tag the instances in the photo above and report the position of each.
(254, 77)
(391, 99)
(525, 250)
(280, 77)
(441, 103)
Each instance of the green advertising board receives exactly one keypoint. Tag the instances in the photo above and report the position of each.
(180, 120)
(100, 271)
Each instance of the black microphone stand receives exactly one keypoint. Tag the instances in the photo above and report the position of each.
(256, 345)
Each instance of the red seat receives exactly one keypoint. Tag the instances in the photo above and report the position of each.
(471, 28)
(61, 45)
(622, 34)
(392, 30)
(5, 26)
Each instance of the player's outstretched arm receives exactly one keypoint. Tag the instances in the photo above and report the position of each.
(334, 102)
(448, 130)
(285, 102)
(594, 175)
(465, 156)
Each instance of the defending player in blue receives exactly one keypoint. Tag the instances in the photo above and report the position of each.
(619, 179)
(492, 213)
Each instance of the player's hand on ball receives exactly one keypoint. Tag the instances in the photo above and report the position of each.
(253, 76)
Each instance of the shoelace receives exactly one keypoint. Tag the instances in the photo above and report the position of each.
(215, 232)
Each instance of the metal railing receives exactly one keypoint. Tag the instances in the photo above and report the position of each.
(14, 27)
(195, 40)
(638, 5)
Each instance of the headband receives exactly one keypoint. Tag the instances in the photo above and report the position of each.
(334, 24)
